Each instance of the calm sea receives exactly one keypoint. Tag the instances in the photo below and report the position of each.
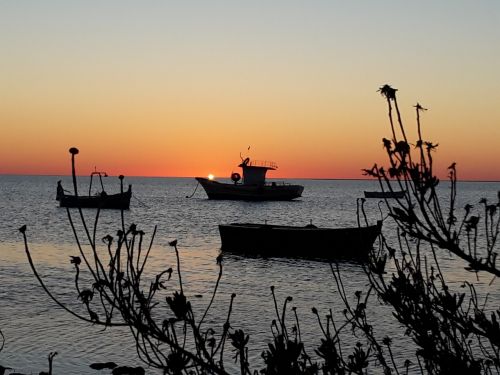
(33, 325)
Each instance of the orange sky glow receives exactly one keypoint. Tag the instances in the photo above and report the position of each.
(168, 90)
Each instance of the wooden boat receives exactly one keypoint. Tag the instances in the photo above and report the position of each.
(120, 201)
(253, 186)
(384, 194)
(100, 200)
(291, 241)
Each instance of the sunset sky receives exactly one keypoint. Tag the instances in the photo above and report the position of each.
(164, 88)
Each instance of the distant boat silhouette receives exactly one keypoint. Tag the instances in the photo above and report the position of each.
(101, 200)
(293, 241)
(253, 186)
(384, 194)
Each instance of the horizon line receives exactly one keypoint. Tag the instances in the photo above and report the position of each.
(283, 178)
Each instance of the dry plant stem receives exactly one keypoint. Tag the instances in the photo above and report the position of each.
(178, 267)
(142, 341)
(389, 105)
(148, 251)
(358, 320)
(219, 277)
(44, 287)
(226, 327)
(3, 340)
(400, 122)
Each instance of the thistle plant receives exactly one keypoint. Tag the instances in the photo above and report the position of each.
(121, 295)
(421, 214)
(168, 335)
(453, 331)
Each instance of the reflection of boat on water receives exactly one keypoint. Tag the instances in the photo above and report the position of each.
(384, 194)
(289, 241)
(100, 200)
(253, 186)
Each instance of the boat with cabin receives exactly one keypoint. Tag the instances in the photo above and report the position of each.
(252, 186)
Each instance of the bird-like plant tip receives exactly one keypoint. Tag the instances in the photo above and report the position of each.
(388, 92)
(387, 340)
(107, 239)
(419, 107)
(219, 259)
(121, 177)
(22, 229)
(173, 243)
(73, 151)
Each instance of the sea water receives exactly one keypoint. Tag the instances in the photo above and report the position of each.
(34, 326)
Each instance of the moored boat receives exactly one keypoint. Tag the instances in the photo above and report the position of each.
(293, 241)
(253, 186)
(101, 200)
(384, 194)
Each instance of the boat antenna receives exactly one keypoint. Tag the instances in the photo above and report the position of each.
(241, 157)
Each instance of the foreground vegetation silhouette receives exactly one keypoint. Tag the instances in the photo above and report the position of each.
(453, 331)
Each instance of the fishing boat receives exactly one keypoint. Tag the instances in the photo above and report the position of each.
(384, 194)
(101, 199)
(253, 186)
(294, 241)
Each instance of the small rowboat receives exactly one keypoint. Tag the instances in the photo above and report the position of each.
(120, 201)
(291, 241)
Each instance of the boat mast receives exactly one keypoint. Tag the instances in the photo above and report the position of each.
(101, 175)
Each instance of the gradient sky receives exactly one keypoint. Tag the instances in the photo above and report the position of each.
(163, 88)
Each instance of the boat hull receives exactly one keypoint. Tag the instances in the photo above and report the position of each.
(120, 201)
(289, 241)
(273, 192)
(384, 194)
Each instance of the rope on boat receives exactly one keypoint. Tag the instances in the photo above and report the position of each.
(191, 196)
(141, 202)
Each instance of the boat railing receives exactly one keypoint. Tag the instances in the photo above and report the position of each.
(263, 163)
